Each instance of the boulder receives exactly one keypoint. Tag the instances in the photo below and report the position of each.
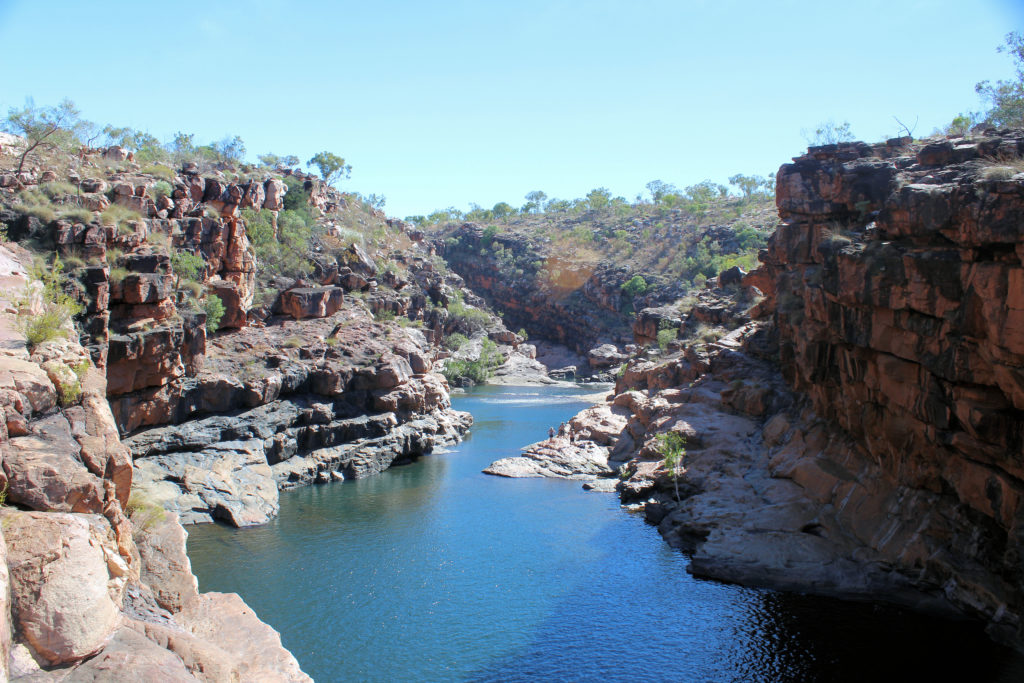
(606, 356)
(67, 582)
(311, 302)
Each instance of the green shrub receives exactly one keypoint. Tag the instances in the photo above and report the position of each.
(160, 189)
(666, 336)
(57, 189)
(118, 274)
(635, 286)
(215, 310)
(120, 216)
(455, 341)
(57, 306)
(523, 333)
(288, 254)
(43, 212)
(70, 392)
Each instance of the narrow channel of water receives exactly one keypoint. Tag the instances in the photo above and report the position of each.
(434, 572)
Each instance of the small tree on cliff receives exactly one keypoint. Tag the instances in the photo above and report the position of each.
(672, 447)
(332, 167)
(43, 127)
(1006, 97)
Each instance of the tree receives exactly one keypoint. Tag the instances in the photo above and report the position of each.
(659, 190)
(186, 265)
(635, 286)
(229, 150)
(829, 133)
(672, 446)
(503, 210)
(1006, 97)
(599, 198)
(332, 167)
(535, 201)
(275, 161)
(43, 127)
(752, 185)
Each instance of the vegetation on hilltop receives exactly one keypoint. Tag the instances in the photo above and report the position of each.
(687, 235)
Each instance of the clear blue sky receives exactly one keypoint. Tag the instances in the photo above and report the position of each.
(446, 103)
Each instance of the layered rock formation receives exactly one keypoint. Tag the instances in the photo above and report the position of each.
(95, 585)
(864, 437)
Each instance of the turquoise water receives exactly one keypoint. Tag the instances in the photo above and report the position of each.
(435, 572)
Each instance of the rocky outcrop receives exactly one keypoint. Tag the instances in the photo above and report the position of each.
(87, 592)
(583, 449)
(897, 277)
(863, 438)
(311, 302)
(296, 403)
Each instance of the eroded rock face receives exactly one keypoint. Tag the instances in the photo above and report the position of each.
(67, 582)
(312, 302)
(865, 438)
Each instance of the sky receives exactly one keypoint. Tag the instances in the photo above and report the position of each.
(438, 104)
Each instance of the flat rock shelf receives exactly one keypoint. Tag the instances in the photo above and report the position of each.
(435, 571)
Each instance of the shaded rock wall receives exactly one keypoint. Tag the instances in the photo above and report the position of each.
(898, 288)
(576, 304)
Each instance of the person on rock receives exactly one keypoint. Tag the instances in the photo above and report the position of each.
(551, 433)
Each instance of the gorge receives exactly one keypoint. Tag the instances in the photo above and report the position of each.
(846, 420)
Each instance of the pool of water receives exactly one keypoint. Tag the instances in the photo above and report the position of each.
(433, 571)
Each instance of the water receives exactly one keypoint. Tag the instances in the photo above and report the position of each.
(434, 572)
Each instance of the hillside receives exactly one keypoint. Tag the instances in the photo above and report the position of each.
(578, 272)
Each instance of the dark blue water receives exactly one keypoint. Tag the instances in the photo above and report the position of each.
(434, 572)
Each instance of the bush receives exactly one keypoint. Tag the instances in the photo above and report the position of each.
(635, 286)
(160, 189)
(476, 370)
(286, 255)
(120, 216)
(57, 307)
(144, 513)
(665, 336)
(56, 189)
(214, 308)
(455, 341)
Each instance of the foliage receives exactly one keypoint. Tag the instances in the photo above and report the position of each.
(77, 214)
(187, 266)
(455, 341)
(288, 253)
(635, 286)
(673, 449)
(161, 188)
(275, 161)
(214, 308)
(829, 133)
(119, 215)
(523, 334)
(666, 336)
(55, 306)
(331, 166)
(43, 127)
(478, 370)
(466, 317)
(1006, 97)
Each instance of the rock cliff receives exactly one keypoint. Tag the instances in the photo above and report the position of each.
(95, 583)
(862, 436)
